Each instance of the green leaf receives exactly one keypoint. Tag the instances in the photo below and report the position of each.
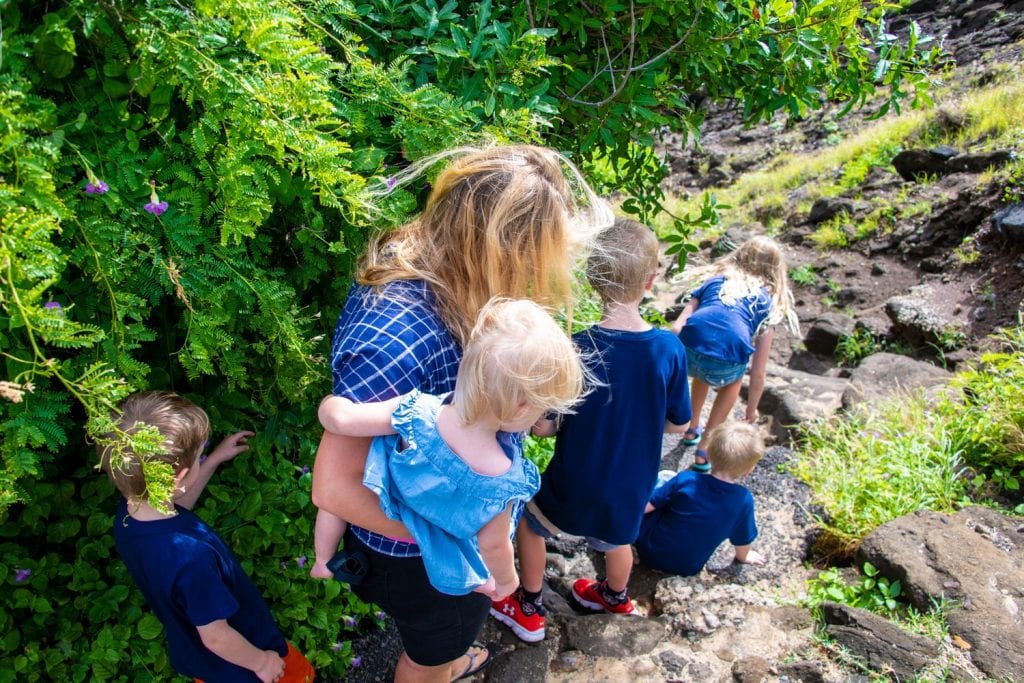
(149, 627)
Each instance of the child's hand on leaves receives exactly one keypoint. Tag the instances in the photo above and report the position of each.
(271, 668)
(229, 448)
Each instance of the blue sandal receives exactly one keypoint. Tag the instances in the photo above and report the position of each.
(702, 467)
(691, 437)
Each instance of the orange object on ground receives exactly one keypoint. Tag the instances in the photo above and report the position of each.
(297, 668)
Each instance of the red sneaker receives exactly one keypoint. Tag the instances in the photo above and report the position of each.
(525, 620)
(588, 593)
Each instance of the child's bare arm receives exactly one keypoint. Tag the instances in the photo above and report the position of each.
(224, 641)
(496, 549)
(744, 555)
(339, 415)
(691, 306)
(225, 450)
(758, 369)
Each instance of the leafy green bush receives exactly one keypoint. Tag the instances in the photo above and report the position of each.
(986, 420)
(871, 592)
(853, 348)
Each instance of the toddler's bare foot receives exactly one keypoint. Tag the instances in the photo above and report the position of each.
(320, 571)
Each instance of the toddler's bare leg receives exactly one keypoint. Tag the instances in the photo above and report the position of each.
(326, 536)
(618, 564)
(532, 558)
(698, 394)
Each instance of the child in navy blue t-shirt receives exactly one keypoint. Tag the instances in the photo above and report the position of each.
(218, 628)
(607, 454)
(692, 513)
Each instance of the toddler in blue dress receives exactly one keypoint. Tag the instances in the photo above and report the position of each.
(726, 326)
(451, 468)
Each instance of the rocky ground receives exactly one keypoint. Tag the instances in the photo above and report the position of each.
(746, 624)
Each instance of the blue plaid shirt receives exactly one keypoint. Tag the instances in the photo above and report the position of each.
(386, 344)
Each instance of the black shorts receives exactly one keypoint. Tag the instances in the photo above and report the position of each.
(436, 628)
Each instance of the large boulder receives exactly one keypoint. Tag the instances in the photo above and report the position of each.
(792, 397)
(883, 375)
(1009, 222)
(974, 561)
(879, 642)
(824, 333)
(612, 635)
(915, 320)
(913, 164)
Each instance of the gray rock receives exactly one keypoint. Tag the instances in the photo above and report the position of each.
(750, 670)
(521, 665)
(975, 561)
(792, 397)
(805, 672)
(882, 644)
(824, 333)
(911, 164)
(710, 620)
(568, 661)
(829, 207)
(612, 635)
(884, 375)
(980, 162)
(1010, 221)
(915, 321)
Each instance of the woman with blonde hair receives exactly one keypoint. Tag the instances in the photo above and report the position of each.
(499, 221)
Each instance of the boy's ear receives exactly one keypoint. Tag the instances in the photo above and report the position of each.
(180, 477)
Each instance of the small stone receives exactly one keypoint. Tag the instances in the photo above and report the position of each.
(877, 269)
(750, 670)
(568, 661)
(710, 619)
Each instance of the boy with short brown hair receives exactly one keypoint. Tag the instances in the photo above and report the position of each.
(218, 628)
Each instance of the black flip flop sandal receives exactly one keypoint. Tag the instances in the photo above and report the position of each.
(473, 667)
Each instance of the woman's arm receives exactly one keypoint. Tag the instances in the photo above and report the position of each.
(338, 485)
(339, 415)
(758, 369)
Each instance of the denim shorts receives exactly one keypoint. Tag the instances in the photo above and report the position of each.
(543, 527)
(713, 372)
(435, 628)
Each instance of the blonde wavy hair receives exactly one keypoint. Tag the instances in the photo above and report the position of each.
(184, 426)
(623, 261)
(504, 221)
(757, 263)
(517, 356)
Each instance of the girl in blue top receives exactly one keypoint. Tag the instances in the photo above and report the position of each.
(726, 326)
(452, 468)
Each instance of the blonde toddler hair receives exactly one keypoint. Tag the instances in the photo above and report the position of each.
(500, 221)
(757, 263)
(622, 262)
(517, 356)
(734, 448)
(184, 425)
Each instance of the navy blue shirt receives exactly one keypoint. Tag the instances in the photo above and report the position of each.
(190, 578)
(725, 331)
(607, 454)
(695, 513)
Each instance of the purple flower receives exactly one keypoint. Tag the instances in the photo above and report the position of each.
(337, 646)
(155, 208)
(96, 186)
(391, 182)
(350, 622)
(357, 662)
(21, 575)
(381, 615)
(301, 561)
(305, 469)
(52, 305)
